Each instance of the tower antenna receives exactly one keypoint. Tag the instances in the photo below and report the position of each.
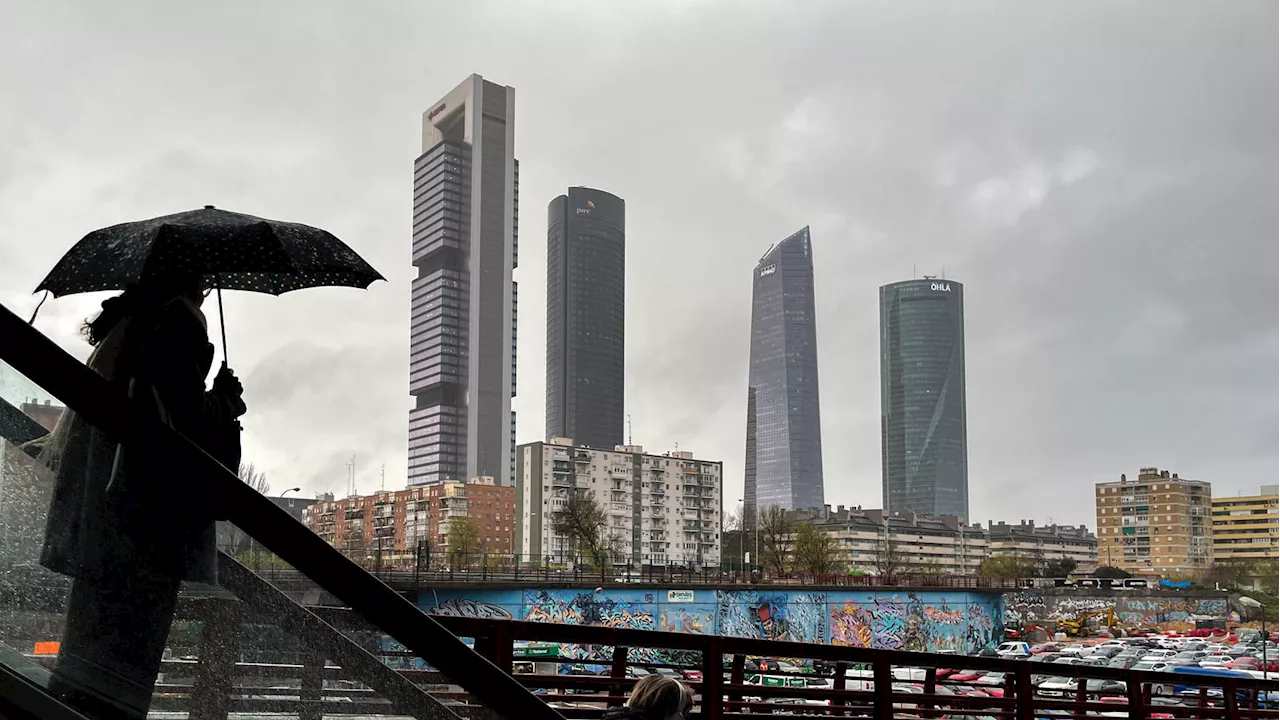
(628, 428)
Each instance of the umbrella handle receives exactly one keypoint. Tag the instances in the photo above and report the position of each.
(222, 321)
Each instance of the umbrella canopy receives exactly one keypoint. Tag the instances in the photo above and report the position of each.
(232, 251)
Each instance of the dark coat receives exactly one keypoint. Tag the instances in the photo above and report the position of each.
(151, 514)
(624, 713)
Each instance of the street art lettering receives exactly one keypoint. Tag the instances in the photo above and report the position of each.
(1029, 606)
(462, 607)
(851, 625)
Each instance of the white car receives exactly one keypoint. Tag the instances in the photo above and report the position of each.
(1216, 649)
(1075, 649)
(1159, 654)
(1013, 649)
(1057, 687)
(1151, 666)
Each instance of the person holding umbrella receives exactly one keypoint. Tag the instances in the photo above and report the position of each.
(114, 525)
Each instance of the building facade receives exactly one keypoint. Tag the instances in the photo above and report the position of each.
(586, 318)
(923, 435)
(462, 356)
(1158, 524)
(1247, 528)
(411, 526)
(881, 542)
(784, 428)
(664, 510)
(1045, 542)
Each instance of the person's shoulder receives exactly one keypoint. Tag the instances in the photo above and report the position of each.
(623, 713)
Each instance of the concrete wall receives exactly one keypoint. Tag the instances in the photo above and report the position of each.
(961, 621)
(1133, 607)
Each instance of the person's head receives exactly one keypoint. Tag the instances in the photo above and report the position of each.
(140, 299)
(659, 697)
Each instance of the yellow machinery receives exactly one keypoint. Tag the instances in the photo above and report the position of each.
(1078, 626)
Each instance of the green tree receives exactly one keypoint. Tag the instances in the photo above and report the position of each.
(1008, 566)
(775, 529)
(1114, 573)
(1059, 568)
(464, 539)
(814, 551)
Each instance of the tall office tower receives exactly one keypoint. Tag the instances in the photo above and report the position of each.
(784, 432)
(923, 441)
(586, 297)
(462, 354)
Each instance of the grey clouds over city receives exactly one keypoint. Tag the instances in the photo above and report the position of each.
(1101, 176)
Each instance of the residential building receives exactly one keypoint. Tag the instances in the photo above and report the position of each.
(1157, 524)
(923, 436)
(1045, 542)
(1246, 528)
(784, 428)
(462, 353)
(663, 509)
(586, 318)
(868, 538)
(397, 527)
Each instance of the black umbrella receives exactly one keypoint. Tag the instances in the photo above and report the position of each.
(230, 250)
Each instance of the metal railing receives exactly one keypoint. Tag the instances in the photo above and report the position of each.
(102, 405)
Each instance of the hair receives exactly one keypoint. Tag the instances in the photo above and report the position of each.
(136, 299)
(659, 697)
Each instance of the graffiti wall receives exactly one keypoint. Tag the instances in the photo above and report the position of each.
(928, 621)
(1148, 608)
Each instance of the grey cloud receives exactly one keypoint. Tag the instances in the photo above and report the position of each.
(1102, 176)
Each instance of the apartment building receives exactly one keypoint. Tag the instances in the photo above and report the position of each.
(943, 545)
(1047, 542)
(395, 526)
(1157, 524)
(664, 509)
(1246, 527)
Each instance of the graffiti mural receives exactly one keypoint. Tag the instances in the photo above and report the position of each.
(931, 621)
(1028, 606)
(773, 615)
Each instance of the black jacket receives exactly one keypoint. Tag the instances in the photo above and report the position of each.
(624, 713)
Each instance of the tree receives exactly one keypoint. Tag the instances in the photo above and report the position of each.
(1269, 577)
(815, 552)
(463, 538)
(1060, 568)
(775, 529)
(1114, 573)
(931, 567)
(1008, 567)
(888, 561)
(585, 526)
(231, 539)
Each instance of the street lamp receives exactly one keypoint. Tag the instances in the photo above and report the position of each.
(286, 492)
(1249, 602)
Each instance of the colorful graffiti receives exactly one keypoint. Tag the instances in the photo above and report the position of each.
(1027, 606)
(797, 617)
(956, 622)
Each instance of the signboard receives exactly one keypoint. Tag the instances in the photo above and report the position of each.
(436, 111)
(587, 210)
(768, 270)
(679, 596)
(47, 647)
(940, 287)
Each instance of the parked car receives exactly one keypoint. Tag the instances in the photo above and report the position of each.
(1153, 666)
(1014, 648)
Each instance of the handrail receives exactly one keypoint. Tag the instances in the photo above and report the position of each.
(84, 391)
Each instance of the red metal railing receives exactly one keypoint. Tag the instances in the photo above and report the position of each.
(855, 682)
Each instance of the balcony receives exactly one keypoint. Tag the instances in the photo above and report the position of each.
(619, 509)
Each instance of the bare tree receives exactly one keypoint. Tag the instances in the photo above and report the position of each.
(232, 539)
(586, 527)
(888, 561)
(733, 519)
(774, 528)
(815, 552)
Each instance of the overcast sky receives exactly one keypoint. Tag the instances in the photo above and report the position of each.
(1102, 176)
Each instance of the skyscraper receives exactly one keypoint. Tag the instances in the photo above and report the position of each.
(462, 354)
(784, 432)
(923, 443)
(586, 294)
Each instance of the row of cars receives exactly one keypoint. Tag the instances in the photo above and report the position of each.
(1256, 657)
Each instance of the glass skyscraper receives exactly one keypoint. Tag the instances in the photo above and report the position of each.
(586, 302)
(462, 337)
(784, 432)
(923, 443)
